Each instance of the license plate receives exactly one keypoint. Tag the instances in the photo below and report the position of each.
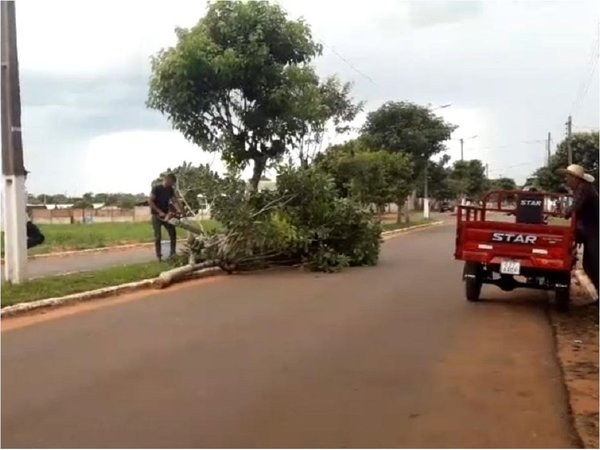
(510, 267)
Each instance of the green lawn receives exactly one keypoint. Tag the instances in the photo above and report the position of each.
(58, 286)
(98, 235)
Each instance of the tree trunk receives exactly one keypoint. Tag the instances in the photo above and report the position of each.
(260, 163)
(399, 205)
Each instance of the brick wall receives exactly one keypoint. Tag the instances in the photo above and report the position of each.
(62, 216)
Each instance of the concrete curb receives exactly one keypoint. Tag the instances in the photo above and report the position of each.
(414, 227)
(86, 251)
(22, 308)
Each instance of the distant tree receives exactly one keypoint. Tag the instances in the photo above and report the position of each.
(371, 177)
(56, 199)
(585, 153)
(403, 127)
(467, 178)
(503, 184)
(32, 199)
(82, 204)
(407, 128)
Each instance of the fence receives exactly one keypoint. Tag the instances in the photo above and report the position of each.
(68, 216)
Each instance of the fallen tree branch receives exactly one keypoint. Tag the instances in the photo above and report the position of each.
(170, 276)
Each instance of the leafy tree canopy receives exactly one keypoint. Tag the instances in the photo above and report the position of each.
(585, 153)
(403, 127)
(239, 83)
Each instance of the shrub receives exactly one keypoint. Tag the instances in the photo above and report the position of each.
(302, 222)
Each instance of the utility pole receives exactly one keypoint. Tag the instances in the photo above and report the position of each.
(462, 142)
(569, 125)
(548, 147)
(426, 193)
(487, 171)
(13, 170)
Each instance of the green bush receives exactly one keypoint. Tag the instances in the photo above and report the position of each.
(338, 232)
(302, 222)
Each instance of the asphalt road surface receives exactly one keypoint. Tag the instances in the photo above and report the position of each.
(389, 356)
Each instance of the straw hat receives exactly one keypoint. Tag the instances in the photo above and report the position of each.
(577, 171)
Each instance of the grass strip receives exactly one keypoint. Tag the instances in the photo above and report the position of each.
(67, 237)
(61, 285)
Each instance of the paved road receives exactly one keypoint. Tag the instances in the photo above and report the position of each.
(44, 267)
(390, 356)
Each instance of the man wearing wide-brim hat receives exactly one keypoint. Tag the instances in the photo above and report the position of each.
(585, 208)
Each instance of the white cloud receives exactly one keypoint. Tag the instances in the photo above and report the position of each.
(130, 161)
(97, 36)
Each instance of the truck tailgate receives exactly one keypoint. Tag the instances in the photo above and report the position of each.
(548, 247)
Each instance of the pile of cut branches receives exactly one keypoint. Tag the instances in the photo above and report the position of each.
(302, 222)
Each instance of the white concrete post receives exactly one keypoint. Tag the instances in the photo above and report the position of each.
(15, 229)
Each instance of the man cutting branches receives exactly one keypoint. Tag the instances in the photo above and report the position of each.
(161, 199)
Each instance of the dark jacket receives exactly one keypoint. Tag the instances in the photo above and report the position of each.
(585, 207)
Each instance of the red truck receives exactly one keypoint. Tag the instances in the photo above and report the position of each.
(510, 240)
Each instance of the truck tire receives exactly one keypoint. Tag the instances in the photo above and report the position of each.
(473, 282)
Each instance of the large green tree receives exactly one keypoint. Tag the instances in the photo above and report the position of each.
(321, 107)
(410, 129)
(585, 153)
(371, 177)
(235, 82)
(502, 184)
(403, 127)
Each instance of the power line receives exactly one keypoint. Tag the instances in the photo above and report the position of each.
(586, 81)
(529, 142)
(348, 63)
(587, 85)
(501, 169)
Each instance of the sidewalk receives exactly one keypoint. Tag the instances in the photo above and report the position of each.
(84, 262)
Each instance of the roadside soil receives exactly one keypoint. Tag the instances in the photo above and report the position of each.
(577, 346)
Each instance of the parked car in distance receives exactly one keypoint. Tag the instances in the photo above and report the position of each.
(446, 206)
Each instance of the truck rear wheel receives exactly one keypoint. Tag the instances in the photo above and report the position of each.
(473, 281)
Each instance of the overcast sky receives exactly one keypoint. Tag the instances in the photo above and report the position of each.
(512, 70)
